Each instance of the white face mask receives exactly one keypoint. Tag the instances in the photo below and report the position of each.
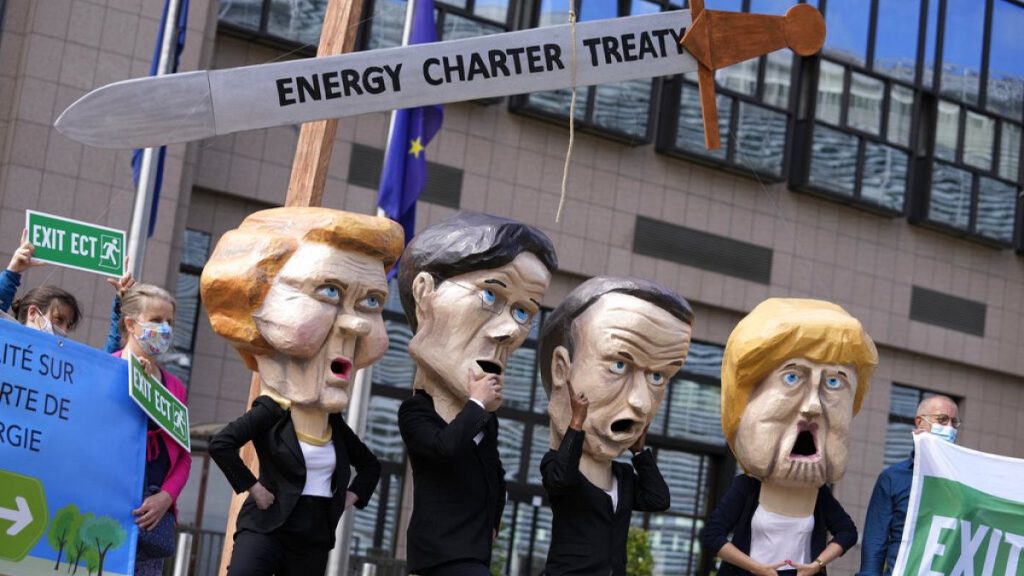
(947, 433)
(44, 325)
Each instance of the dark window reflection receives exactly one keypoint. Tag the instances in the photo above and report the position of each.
(961, 49)
(387, 24)
(885, 176)
(396, 368)
(833, 160)
(519, 378)
(996, 209)
(623, 107)
(896, 38)
(382, 429)
(244, 13)
(690, 129)
(298, 20)
(951, 196)
(510, 447)
(761, 138)
(847, 25)
(1006, 63)
(539, 446)
(695, 410)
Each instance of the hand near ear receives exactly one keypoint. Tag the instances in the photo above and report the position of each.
(579, 405)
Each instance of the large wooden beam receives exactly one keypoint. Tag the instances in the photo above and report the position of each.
(305, 188)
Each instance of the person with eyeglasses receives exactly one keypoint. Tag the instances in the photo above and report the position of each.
(887, 511)
(471, 287)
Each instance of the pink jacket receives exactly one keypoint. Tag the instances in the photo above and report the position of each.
(181, 461)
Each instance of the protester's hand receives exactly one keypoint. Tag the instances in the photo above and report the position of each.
(486, 389)
(264, 498)
(638, 446)
(22, 258)
(149, 366)
(768, 569)
(153, 508)
(122, 284)
(807, 569)
(350, 499)
(579, 405)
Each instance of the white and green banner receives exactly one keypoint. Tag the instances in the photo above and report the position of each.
(966, 513)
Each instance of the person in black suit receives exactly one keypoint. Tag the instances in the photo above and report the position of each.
(470, 287)
(606, 356)
(299, 292)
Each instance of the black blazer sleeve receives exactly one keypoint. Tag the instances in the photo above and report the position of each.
(723, 519)
(838, 522)
(560, 469)
(426, 436)
(225, 444)
(366, 464)
(650, 492)
(502, 488)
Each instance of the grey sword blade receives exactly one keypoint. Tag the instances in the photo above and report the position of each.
(143, 112)
(183, 107)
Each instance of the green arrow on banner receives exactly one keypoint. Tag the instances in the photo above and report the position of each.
(23, 514)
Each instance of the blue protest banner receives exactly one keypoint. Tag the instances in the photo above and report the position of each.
(72, 457)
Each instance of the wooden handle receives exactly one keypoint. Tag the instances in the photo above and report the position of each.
(718, 39)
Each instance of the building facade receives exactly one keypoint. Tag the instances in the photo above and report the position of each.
(883, 174)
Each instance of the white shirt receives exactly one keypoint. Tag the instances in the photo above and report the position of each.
(320, 461)
(775, 538)
(479, 435)
(614, 493)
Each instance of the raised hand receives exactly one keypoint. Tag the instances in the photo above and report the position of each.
(579, 405)
(486, 389)
(122, 284)
(22, 258)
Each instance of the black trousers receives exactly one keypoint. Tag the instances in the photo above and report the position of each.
(458, 568)
(298, 548)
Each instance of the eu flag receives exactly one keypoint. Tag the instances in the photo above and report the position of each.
(137, 155)
(405, 167)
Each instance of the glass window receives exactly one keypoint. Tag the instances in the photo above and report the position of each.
(829, 95)
(741, 77)
(623, 106)
(901, 113)
(761, 138)
(381, 428)
(298, 20)
(979, 137)
(947, 129)
(885, 176)
(950, 201)
(896, 38)
(899, 439)
(847, 25)
(834, 161)
(243, 13)
(194, 251)
(690, 123)
(519, 373)
(1009, 153)
(457, 26)
(539, 446)
(865, 110)
(996, 208)
(778, 68)
(510, 447)
(695, 409)
(961, 49)
(1005, 61)
(396, 368)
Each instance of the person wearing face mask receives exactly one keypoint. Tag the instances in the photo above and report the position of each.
(146, 332)
(45, 308)
(887, 511)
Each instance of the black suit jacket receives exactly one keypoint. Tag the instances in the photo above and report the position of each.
(283, 468)
(587, 537)
(458, 486)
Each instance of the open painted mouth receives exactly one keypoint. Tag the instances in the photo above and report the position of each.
(490, 367)
(623, 426)
(805, 446)
(341, 367)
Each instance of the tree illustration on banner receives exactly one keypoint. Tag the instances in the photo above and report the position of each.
(78, 537)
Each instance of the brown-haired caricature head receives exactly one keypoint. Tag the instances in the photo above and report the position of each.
(795, 371)
(239, 274)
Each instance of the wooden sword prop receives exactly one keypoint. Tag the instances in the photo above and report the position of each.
(159, 110)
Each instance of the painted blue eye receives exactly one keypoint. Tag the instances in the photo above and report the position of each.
(488, 297)
(656, 378)
(520, 315)
(791, 378)
(618, 367)
(833, 383)
(371, 302)
(329, 292)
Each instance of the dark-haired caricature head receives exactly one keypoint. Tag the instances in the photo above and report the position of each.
(471, 287)
(619, 341)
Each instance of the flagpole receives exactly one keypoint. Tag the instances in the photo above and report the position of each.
(141, 212)
(359, 399)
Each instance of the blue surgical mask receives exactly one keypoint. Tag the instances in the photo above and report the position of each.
(155, 338)
(947, 433)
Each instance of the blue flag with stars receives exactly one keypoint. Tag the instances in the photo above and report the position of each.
(405, 167)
